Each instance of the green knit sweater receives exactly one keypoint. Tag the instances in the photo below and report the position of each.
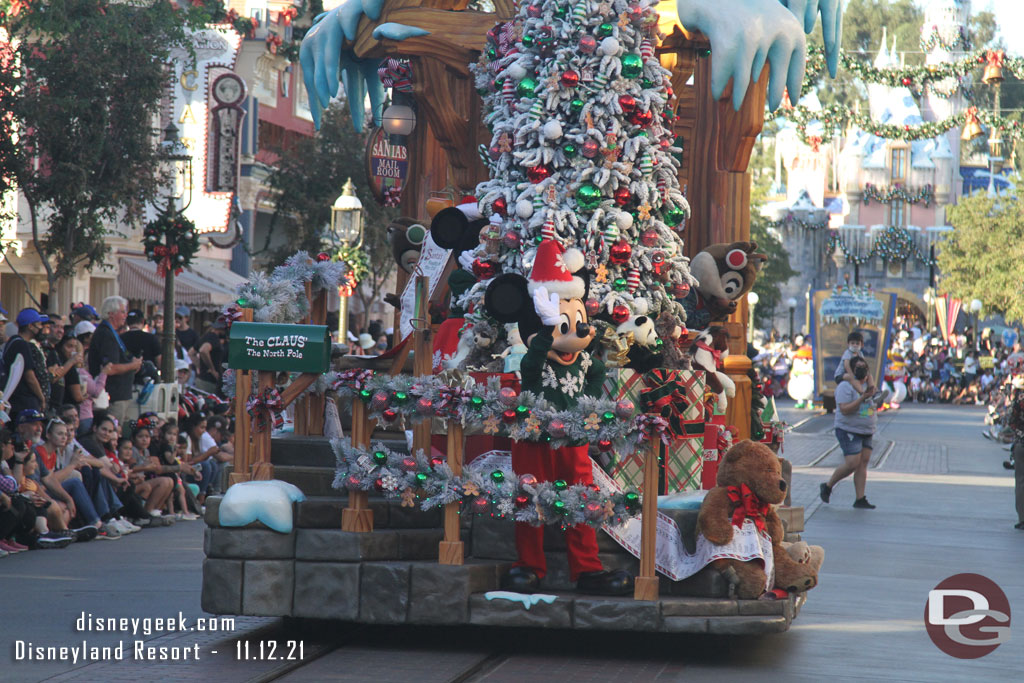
(561, 385)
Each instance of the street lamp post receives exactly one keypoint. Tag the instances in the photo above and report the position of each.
(791, 304)
(752, 300)
(346, 230)
(976, 306)
(179, 169)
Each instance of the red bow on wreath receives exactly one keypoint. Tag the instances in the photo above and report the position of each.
(451, 398)
(392, 196)
(653, 427)
(749, 506)
(666, 396)
(259, 405)
(995, 58)
(355, 379)
(285, 16)
(273, 43)
(164, 253)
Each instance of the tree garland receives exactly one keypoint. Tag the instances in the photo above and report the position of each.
(961, 42)
(321, 272)
(171, 242)
(358, 267)
(895, 244)
(492, 410)
(500, 493)
(885, 195)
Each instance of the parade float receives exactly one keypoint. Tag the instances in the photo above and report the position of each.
(538, 454)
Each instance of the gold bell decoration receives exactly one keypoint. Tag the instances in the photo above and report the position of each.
(993, 67)
(972, 126)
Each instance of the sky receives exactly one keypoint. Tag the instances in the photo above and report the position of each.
(1009, 16)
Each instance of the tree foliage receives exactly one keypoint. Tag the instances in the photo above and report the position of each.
(308, 177)
(981, 259)
(80, 87)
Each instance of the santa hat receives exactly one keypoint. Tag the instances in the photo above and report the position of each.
(553, 268)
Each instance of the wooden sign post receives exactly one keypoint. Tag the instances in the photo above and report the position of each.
(451, 549)
(645, 586)
(358, 516)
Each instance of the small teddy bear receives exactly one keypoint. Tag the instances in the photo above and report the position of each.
(740, 509)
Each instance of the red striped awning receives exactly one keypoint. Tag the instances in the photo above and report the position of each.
(138, 281)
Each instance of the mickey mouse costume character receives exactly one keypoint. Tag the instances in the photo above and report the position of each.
(553, 322)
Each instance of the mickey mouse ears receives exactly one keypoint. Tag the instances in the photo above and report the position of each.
(457, 227)
(507, 299)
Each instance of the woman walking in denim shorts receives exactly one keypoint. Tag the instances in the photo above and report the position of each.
(855, 425)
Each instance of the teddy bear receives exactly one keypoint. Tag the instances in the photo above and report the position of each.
(737, 516)
(724, 272)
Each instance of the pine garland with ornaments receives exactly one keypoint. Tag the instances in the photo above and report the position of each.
(430, 483)
(583, 153)
(171, 242)
(894, 245)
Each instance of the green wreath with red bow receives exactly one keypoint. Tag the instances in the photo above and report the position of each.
(171, 243)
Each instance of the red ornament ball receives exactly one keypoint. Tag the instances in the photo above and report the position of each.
(508, 417)
(378, 484)
(527, 480)
(494, 151)
(620, 252)
(425, 406)
(590, 149)
(907, 81)
(556, 428)
(627, 103)
(408, 464)
(533, 11)
(588, 44)
(522, 501)
(570, 79)
(620, 314)
(665, 144)
(680, 290)
(508, 396)
(353, 481)
(604, 445)
(593, 306)
(390, 415)
(323, 256)
(484, 270)
(500, 206)
(622, 196)
(641, 118)
(511, 240)
(624, 408)
(435, 462)
(649, 237)
(481, 504)
(538, 173)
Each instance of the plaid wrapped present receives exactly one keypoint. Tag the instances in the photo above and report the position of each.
(677, 396)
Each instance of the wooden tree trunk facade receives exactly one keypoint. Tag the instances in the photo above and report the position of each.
(717, 140)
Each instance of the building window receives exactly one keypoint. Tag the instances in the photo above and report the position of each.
(900, 161)
(897, 213)
(879, 264)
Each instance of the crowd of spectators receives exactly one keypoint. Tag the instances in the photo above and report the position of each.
(79, 459)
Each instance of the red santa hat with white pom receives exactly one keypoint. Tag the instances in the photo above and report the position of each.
(553, 268)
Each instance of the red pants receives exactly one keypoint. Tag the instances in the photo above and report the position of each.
(572, 464)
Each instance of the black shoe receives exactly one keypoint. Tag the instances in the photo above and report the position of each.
(1007, 465)
(863, 504)
(1019, 525)
(520, 580)
(49, 541)
(825, 492)
(84, 534)
(605, 583)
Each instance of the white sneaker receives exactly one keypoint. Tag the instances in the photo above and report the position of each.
(131, 528)
(123, 526)
(189, 516)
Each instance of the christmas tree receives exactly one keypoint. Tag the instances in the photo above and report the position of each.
(582, 152)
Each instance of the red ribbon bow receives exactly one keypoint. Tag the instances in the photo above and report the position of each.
(273, 43)
(164, 253)
(396, 73)
(717, 355)
(651, 427)
(259, 405)
(749, 506)
(995, 57)
(355, 379)
(285, 16)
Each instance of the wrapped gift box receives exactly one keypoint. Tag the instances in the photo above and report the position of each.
(682, 459)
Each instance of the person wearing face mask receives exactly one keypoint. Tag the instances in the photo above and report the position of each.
(855, 425)
(844, 371)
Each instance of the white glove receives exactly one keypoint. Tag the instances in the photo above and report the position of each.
(466, 259)
(547, 306)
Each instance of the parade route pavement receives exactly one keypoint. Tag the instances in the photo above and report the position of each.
(945, 506)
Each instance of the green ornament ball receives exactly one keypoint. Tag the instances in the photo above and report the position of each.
(538, 239)
(560, 485)
(528, 41)
(477, 402)
(527, 87)
(365, 395)
(632, 65)
(674, 216)
(380, 457)
(401, 397)
(576, 106)
(492, 54)
(570, 150)
(632, 500)
(619, 284)
(646, 83)
(561, 11)
(588, 196)
(560, 507)
(421, 477)
(608, 416)
(605, 29)
(497, 476)
(522, 411)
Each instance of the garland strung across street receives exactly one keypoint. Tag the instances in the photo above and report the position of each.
(960, 42)
(500, 494)
(894, 245)
(885, 195)
(790, 220)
